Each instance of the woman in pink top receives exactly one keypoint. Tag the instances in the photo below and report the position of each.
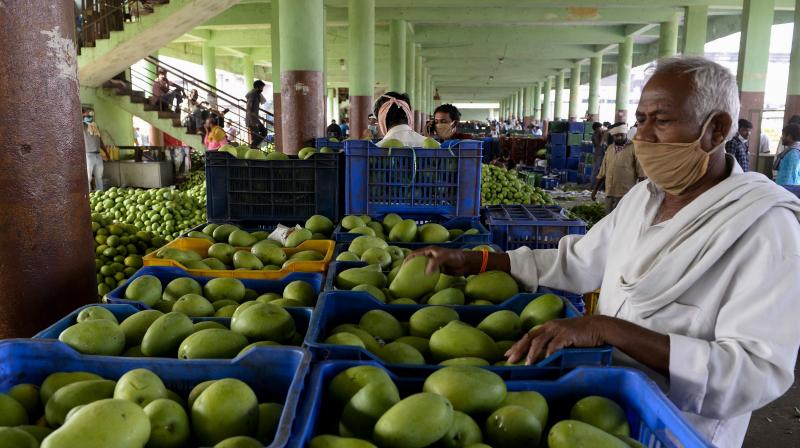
(215, 136)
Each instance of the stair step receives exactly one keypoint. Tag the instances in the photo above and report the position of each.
(168, 115)
(150, 107)
(176, 122)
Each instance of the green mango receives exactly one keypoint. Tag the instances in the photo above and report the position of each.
(404, 232)
(39, 433)
(264, 321)
(27, 395)
(214, 264)
(476, 362)
(12, 413)
(602, 413)
(94, 313)
(140, 386)
(400, 353)
(222, 252)
(16, 438)
(391, 220)
(269, 416)
(502, 325)
(448, 296)
(102, 424)
(574, 433)
(631, 442)
(196, 265)
(269, 252)
(512, 426)
(381, 324)
(351, 222)
(298, 237)
(412, 281)
(260, 235)
(243, 441)
(169, 424)
(328, 441)
(241, 238)
(75, 394)
(165, 335)
(530, 400)
(415, 422)
(494, 286)
(373, 291)
(542, 309)
(223, 232)
(257, 344)
(459, 340)
(391, 143)
(445, 281)
(196, 391)
(301, 291)
(196, 234)
(225, 311)
(426, 321)
(470, 389)
(430, 143)
(345, 338)
(347, 256)
(275, 155)
(319, 224)
(454, 233)
(306, 255)
(224, 289)
(348, 382)
(181, 256)
(95, 337)
(145, 289)
(367, 406)
(180, 287)
(194, 305)
(57, 380)
(209, 229)
(212, 343)
(421, 344)
(226, 408)
(363, 230)
(464, 432)
(369, 341)
(360, 245)
(245, 260)
(433, 233)
(375, 255)
(351, 278)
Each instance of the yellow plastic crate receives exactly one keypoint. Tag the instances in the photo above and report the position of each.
(201, 245)
(590, 302)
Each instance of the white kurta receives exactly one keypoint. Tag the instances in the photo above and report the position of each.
(733, 332)
(405, 134)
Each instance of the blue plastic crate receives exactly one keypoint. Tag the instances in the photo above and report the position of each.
(320, 143)
(167, 273)
(575, 127)
(547, 183)
(572, 175)
(559, 138)
(558, 151)
(301, 316)
(557, 163)
(572, 163)
(653, 419)
(794, 189)
(341, 235)
(413, 180)
(276, 375)
(537, 227)
(270, 190)
(587, 171)
(346, 307)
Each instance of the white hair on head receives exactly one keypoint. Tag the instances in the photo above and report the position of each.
(715, 86)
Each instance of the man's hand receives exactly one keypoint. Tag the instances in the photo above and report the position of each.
(554, 335)
(451, 261)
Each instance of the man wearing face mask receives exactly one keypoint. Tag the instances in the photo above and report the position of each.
(444, 125)
(697, 265)
(619, 170)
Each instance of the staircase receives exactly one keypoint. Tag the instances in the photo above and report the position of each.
(115, 34)
(132, 95)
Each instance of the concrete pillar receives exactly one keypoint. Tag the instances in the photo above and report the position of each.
(793, 90)
(411, 72)
(624, 62)
(248, 71)
(537, 102)
(546, 105)
(574, 91)
(426, 99)
(210, 64)
(302, 28)
(416, 105)
(46, 242)
(757, 19)
(668, 37)
(558, 96)
(335, 107)
(595, 73)
(515, 107)
(275, 40)
(156, 136)
(397, 51)
(521, 103)
(526, 105)
(361, 15)
(695, 30)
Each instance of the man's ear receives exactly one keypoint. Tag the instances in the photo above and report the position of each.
(718, 130)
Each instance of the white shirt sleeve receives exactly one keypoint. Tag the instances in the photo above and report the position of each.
(752, 358)
(576, 266)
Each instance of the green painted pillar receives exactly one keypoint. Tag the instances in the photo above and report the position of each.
(210, 64)
(427, 100)
(793, 90)
(275, 39)
(397, 51)
(361, 73)
(416, 105)
(526, 105)
(521, 103)
(624, 63)
(302, 31)
(411, 71)
(595, 73)
(757, 19)
(574, 91)
(515, 107)
(668, 37)
(695, 30)
(156, 136)
(558, 96)
(248, 69)
(546, 110)
(537, 102)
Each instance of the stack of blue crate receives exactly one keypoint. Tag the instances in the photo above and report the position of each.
(576, 147)
(557, 151)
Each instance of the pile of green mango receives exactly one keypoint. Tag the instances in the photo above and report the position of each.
(173, 334)
(434, 334)
(118, 251)
(264, 254)
(395, 229)
(82, 409)
(241, 152)
(502, 186)
(408, 284)
(428, 143)
(460, 406)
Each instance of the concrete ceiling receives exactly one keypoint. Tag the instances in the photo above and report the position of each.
(465, 42)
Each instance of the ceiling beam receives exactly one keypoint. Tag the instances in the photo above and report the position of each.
(536, 36)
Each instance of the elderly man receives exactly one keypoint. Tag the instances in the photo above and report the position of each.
(698, 265)
(619, 170)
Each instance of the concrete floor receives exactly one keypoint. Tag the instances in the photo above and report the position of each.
(777, 425)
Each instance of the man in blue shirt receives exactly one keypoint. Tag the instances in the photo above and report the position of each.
(345, 128)
(737, 146)
(788, 162)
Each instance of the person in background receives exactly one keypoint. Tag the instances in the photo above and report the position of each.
(162, 96)
(737, 146)
(599, 142)
(763, 144)
(93, 144)
(232, 132)
(214, 135)
(334, 130)
(444, 125)
(697, 267)
(345, 128)
(620, 170)
(372, 127)
(493, 131)
(537, 131)
(794, 119)
(395, 119)
(137, 137)
(787, 163)
(632, 131)
(255, 98)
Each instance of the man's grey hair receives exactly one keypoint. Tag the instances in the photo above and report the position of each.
(715, 86)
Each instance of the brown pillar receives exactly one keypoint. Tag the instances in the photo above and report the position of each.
(303, 116)
(46, 242)
(594, 117)
(276, 116)
(360, 108)
(418, 124)
(752, 109)
(792, 107)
